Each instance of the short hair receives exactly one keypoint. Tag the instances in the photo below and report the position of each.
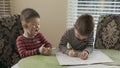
(28, 13)
(85, 24)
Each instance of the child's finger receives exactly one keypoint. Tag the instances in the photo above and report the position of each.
(74, 53)
(84, 56)
(48, 48)
(43, 45)
(47, 52)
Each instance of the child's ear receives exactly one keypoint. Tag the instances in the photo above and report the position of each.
(24, 25)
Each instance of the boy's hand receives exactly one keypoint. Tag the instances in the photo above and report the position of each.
(84, 55)
(47, 51)
(42, 49)
(72, 53)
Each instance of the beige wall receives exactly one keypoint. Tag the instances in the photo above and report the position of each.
(53, 16)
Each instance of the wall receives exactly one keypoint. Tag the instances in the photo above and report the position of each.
(53, 16)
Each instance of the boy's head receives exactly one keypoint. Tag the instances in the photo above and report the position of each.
(84, 26)
(28, 13)
(30, 21)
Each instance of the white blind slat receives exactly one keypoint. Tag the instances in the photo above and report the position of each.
(4, 7)
(92, 1)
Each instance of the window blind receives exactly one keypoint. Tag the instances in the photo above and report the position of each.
(92, 7)
(4, 7)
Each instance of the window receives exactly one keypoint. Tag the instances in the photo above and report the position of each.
(4, 7)
(92, 7)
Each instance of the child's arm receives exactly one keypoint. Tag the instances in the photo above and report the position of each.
(84, 54)
(44, 41)
(63, 43)
(89, 47)
(22, 49)
(47, 45)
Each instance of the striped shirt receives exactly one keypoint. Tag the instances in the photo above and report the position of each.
(30, 46)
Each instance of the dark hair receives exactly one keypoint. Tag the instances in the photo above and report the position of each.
(29, 13)
(85, 24)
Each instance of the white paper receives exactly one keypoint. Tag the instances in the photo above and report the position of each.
(95, 57)
(94, 66)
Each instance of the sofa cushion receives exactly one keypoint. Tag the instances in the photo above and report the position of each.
(108, 32)
(10, 29)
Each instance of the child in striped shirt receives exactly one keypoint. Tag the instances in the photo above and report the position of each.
(79, 37)
(32, 42)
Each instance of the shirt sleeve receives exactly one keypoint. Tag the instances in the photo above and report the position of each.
(89, 47)
(22, 49)
(44, 41)
(63, 43)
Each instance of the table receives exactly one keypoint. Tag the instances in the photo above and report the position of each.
(40, 61)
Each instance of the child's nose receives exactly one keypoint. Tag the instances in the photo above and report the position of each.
(36, 26)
